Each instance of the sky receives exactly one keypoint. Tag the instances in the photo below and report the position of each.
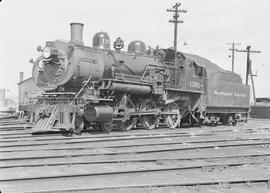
(208, 26)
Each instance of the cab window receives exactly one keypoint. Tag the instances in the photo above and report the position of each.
(197, 70)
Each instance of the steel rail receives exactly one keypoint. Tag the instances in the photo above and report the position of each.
(179, 168)
(145, 160)
(134, 145)
(102, 139)
(136, 152)
(113, 134)
(197, 184)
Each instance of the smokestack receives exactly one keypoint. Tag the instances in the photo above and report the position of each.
(21, 77)
(76, 33)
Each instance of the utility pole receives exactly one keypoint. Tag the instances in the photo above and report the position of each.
(252, 81)
(175, 9)
(233, 50)
(249, 70)
(248, 51)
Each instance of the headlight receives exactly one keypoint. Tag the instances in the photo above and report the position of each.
(46, 52)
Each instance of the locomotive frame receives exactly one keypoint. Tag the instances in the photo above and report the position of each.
(103, 88)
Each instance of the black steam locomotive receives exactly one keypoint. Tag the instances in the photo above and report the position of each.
(103, 88)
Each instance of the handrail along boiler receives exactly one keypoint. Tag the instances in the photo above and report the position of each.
(102, 87)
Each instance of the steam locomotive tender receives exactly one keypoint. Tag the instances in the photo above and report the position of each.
(103, 88)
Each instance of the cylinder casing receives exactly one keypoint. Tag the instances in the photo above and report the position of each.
(100, 113)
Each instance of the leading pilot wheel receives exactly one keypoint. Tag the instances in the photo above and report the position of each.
(172, 120)
(234, 122)
(128, 124)
(79, 124)
(106, 127)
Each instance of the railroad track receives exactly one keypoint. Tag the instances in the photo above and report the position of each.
(174, 176)
(137, 159)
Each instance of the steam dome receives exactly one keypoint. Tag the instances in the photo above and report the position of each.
(137, 47)
(101, 40)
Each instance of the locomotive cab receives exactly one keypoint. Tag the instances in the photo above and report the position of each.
(187, 72)
(173, 57)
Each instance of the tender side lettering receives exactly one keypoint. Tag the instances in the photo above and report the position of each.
(229, 94)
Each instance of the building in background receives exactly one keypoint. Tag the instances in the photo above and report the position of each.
(6, 104)
(261, 109)
(27, 92)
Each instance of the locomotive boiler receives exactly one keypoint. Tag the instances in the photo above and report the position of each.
(104, 88)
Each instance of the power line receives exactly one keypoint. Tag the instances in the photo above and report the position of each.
(233, 44)
(196, 3)
(175, 9)
(221, 6)
(224, 9)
